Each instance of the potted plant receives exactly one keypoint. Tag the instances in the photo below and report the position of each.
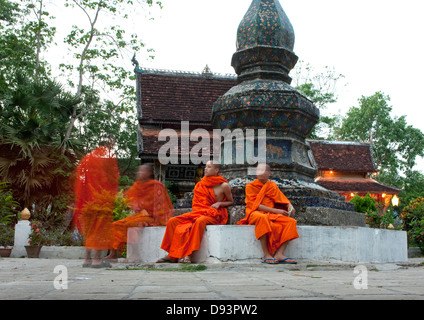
(7, 237)
(37, 239)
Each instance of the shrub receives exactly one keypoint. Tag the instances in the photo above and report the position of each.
(7, 235)
(413, 218)
(121, 209)
(365, 204)
(39, 235)
(8, 207)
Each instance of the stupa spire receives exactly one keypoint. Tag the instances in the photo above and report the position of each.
(265, 42)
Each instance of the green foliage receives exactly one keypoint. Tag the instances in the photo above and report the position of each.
(378, 219)
(38, 146)
(365, 204)
(177, 268)
(8, 11)
(39, 236)
(416, 234)
(8, 207)
(98, 50)
(31, 139)
(125, 182)
(23, 42)
(122, 208)
(7, 235)
(413, 217)
(169, 187)
(66, 238)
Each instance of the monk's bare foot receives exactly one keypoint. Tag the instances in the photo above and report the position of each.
(86, 263)
(100, 264)
(185, 260)
(167, 259)
(268, 259)
(285, 260)
(112, 257)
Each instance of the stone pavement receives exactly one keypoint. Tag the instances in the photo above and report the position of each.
(23, 278)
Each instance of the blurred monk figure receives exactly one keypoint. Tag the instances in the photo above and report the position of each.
(270, 211)
(151, 204)
(183, 235)
(96, 186)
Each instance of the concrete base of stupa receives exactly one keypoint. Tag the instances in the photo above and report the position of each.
(314, 204)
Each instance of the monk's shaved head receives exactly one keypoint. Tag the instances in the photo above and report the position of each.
(263, 171)
(212, 169)
(146, 171)
(215, 164)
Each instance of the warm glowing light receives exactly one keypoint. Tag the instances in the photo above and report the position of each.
(395, 201)
(352, 194)
(383, 195)
(331, 172)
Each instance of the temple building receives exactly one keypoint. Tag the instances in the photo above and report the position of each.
(166, 98)
(348, 168)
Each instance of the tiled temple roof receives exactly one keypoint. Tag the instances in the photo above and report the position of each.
(343, 156)
(355, 185)
(174, 96)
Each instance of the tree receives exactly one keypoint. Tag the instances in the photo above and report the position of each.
(321, 88)
(395, 144)
(31, 136)
(8, 11)
(97, 50)
(37, 155)
(22, 42)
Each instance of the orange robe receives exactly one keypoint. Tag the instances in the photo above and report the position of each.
(96, 186)
(278, 227)
(184, 233)
(151, 205)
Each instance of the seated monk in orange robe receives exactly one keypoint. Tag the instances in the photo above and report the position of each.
(183, 235)
(269, 210)
(96, 186)
(151, 204)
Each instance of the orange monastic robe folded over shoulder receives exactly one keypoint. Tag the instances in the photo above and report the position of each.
(96, 186)
(278, 227)
(151, 205)
(184, 233)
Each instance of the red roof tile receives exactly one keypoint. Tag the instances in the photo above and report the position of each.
(176, 96)
(343, 156)
(358, 185)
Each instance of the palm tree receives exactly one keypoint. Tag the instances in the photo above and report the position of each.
(34, 116)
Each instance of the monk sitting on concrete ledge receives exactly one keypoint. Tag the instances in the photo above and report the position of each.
(270, 211)
(151, 204)
(183, 235)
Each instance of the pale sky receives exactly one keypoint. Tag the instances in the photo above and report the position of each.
(376, 44)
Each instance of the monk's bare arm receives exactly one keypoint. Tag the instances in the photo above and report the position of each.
(228, 197)
(273, 210)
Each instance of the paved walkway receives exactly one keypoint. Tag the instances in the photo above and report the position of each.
(23, 278)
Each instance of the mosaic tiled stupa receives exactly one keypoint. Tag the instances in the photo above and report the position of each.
(264, 99)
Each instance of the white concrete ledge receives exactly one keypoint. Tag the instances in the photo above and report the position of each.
(316, 243)
(61, 252)
(55, 252)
